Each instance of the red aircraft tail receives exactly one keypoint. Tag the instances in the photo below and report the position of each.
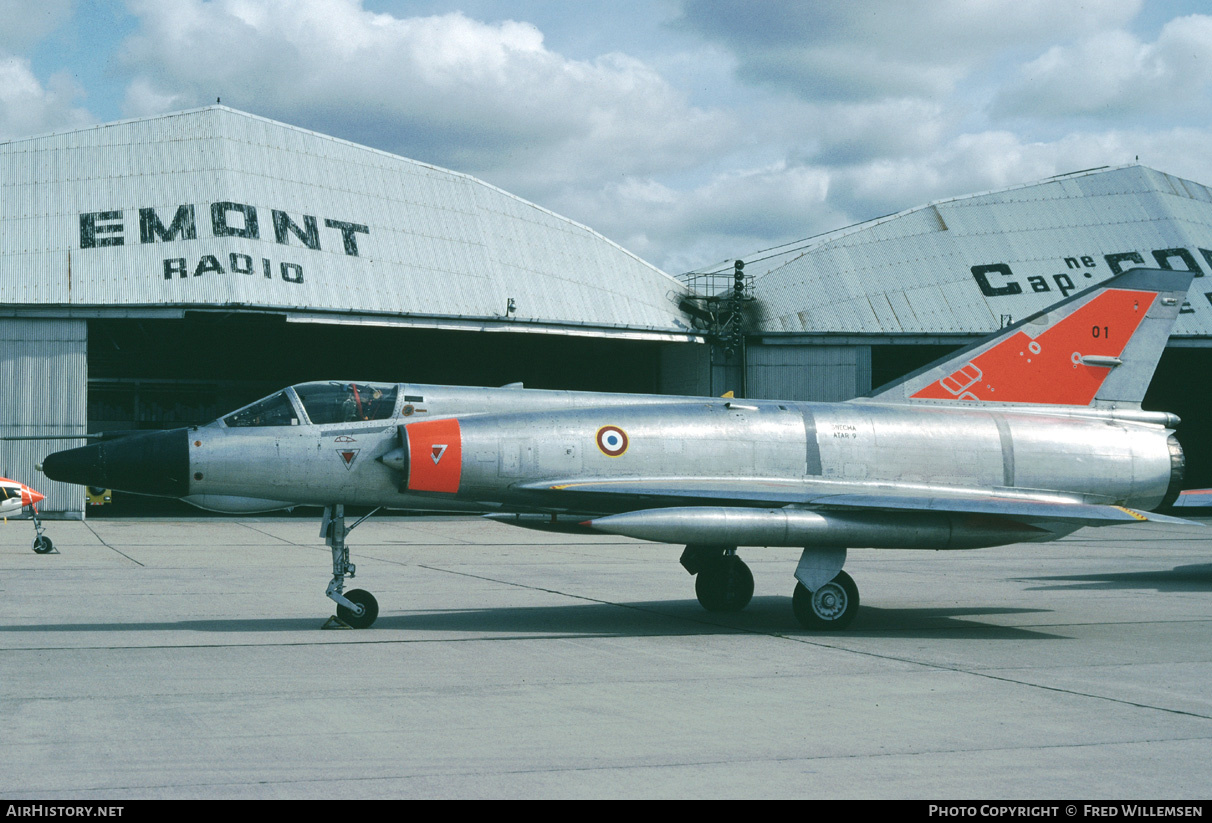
(1098, 347)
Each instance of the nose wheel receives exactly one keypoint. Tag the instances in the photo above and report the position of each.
(356, 609)
(370, 609)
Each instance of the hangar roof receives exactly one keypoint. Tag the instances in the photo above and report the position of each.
(974, 264)
(217, 208)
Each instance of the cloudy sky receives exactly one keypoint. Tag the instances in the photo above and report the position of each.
(689, 131)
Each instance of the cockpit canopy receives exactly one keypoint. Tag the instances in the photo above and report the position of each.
(319, 403)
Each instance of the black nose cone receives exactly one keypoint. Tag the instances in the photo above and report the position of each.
(147, 463)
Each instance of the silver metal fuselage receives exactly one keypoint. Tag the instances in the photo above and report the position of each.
(535, 456)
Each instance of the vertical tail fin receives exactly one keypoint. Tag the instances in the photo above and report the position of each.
(1099, 347)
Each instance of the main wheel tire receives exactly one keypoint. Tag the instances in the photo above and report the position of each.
(369, 605)
(832, 607)
(725, 585)
(43, 544)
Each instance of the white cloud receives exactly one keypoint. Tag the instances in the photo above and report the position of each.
(28, 107)
(733, 213)
(25, 22)
(142, 98)
(881, 49)
(1113, 74)
(846, 133)
(484, 98)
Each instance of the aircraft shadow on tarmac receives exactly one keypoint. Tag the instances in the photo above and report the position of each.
(765, 615)
(1194, 578)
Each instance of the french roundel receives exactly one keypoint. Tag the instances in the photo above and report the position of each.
(612, 441)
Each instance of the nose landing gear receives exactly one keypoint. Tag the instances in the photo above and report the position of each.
(42, 543)
(356, 609)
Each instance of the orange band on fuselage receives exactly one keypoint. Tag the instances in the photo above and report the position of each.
(435, 456)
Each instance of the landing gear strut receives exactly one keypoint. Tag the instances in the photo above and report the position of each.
(42, 543)
(723, 582)
(356, 608)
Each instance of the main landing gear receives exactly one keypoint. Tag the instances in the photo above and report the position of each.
(825, 597)
(829, 608)
(723, 583)
(356, 609)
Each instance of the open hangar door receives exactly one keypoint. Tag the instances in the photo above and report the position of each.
(161, 374)
(1181, 386)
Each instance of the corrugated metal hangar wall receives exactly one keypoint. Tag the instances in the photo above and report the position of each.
(43, 372)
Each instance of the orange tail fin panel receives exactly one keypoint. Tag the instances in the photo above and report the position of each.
(1097, 348)
(1050, 368)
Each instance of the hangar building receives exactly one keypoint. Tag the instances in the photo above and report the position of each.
(161, 271)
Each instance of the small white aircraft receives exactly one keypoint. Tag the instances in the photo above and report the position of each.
(14, 497)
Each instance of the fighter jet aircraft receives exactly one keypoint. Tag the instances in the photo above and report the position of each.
(14, 498)
(1027, 436)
